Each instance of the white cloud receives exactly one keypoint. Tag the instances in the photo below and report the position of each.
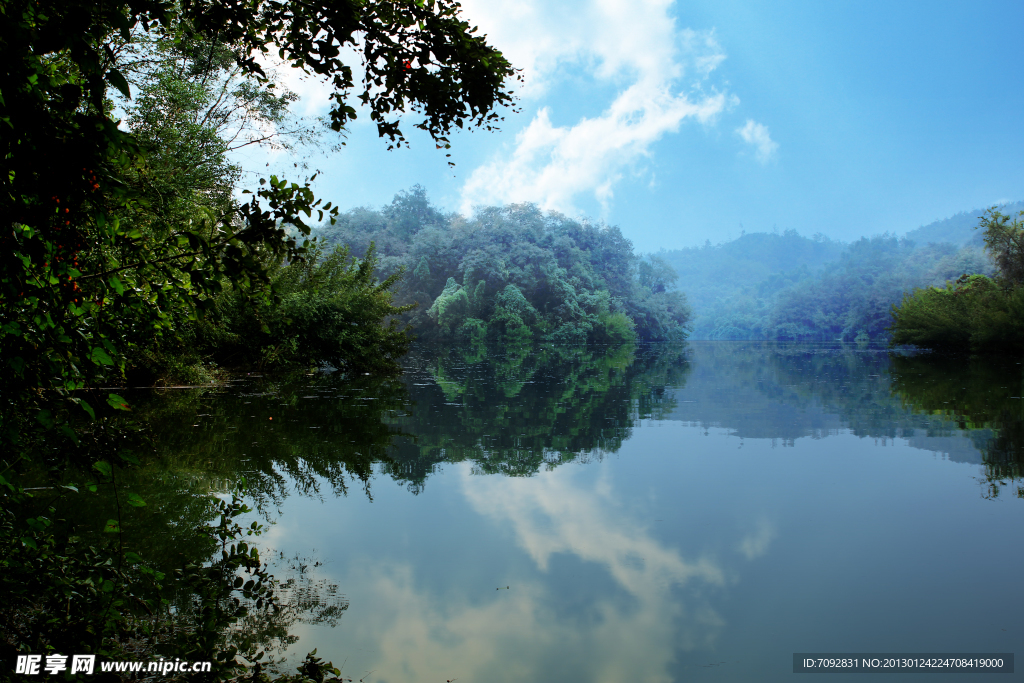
(413, 633)
(632, 46)
(756, 134)
(553, 514)
(313, 91)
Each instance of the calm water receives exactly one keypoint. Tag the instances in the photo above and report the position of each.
(698, 513)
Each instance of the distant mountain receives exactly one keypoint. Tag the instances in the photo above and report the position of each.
(787, 286)
(958, 229)
(711, 273)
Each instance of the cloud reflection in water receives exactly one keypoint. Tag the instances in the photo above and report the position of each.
(521, 634)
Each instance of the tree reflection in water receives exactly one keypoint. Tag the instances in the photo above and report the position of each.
(521, 409)
(513, 412)
(981, 396)
(518, 411)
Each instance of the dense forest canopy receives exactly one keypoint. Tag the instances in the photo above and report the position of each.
(514, 272)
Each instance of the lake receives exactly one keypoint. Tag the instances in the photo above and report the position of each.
(653, 513)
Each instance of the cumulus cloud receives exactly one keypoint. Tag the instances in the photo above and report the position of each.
(635, 48)
(314, 92)
(756, 134)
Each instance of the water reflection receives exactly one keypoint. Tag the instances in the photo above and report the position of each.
(511, 412)
(967, 410)
(587, 590)
(766, 390)
(518, 410)
(295, 434)
(560, 514)
(515, 413)
(615, 514)
(982, 397)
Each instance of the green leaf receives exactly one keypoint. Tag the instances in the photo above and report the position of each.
(136, 501)
(103, 467)
(117, 402)
(100, 357)
(116, 79)
(112, 527)
(87, 408)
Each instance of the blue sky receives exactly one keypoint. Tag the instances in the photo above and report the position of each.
(683, 122)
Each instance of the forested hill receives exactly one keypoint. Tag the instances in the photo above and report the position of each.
(713, 274)
(787, 286)
(514, 273)
(959, 229)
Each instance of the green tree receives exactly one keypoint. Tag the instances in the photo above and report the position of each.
(422, 272)
(582, 281)
(513, 314)
(329, 310)
(116, 233)
(1004, 240)
(657, 274)
(451, 308)
(73, 266)
(975, 313)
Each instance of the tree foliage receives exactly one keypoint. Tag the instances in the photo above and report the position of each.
(976, 313)
(516, 272)
(124, 232)
(107, 236)
(1004, 240)
(329, 310)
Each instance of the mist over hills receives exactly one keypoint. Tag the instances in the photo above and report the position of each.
(959, 228)
(766, 262)
(583, 281)
(786, 286)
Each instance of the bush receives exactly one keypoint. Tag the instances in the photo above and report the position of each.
(972, 314)
(330, 310)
